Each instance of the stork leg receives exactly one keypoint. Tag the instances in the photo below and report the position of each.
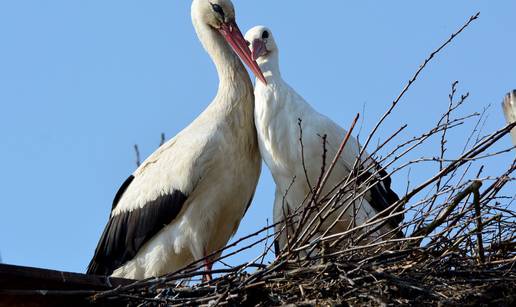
(208, 264)
(207, 267)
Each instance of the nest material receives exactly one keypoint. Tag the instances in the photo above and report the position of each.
(408, 277)
(459, 244)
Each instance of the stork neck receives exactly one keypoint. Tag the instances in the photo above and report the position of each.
(232, 73)
(270, 67)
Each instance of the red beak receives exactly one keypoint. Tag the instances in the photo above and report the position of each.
(234, 37)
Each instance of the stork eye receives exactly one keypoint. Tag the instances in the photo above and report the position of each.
(265, 34)
(218, 9)
(248, 43)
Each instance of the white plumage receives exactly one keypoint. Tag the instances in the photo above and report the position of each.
(187, 199)
(509, 109)
(278, 109)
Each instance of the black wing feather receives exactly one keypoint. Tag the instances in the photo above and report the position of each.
(121, 191)
(128, 231)
(381, 195)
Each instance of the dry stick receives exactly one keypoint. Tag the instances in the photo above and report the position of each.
(346, 182)
(192, 266)
(446, 117)
(323, 165)
(450, 227)
(299, 122)
(319, 180)
(452, 174)
(442, 217)
(480, 244)
(162, 141)
(419, 140)
(382, 213)
(264, 277)
(468, 235)
(501, 180)
(413, 80)
(414, 77)
(368, 246)
(323, 179)
(333, 206)
(266, 249)
(390, 138)
(350, 199)
(306, 210)
(459, 235)
(476, 150)
(366, 182)
(344, 233)
(257, 275)
(337, 156)
(288, 216)
(463, 98)
(458, 238)
(137, 152)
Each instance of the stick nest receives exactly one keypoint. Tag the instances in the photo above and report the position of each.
(458, 245)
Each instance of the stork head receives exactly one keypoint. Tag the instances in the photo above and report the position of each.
(220, 16)
(261, 42)
(214, 13)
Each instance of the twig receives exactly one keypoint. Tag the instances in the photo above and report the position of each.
(137, 152)
(444, 214)
(478, 212)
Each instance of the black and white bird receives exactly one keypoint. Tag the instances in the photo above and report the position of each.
(187, 199)
(509, 109)
(278, 109)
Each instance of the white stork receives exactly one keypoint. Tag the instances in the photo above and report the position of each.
(278, 109)
(187, 199)
(509, 109)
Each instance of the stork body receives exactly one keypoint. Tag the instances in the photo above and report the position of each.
(509, 109)
(279, 110)
(187, 199)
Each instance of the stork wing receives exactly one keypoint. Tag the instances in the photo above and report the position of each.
(148, 201)
(127, 231)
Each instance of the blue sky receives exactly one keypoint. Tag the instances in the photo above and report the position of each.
(82, 81)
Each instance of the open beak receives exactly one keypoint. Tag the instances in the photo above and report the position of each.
(234, 37)
(258, 49)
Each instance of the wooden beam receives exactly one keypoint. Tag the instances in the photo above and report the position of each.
(26, 286)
